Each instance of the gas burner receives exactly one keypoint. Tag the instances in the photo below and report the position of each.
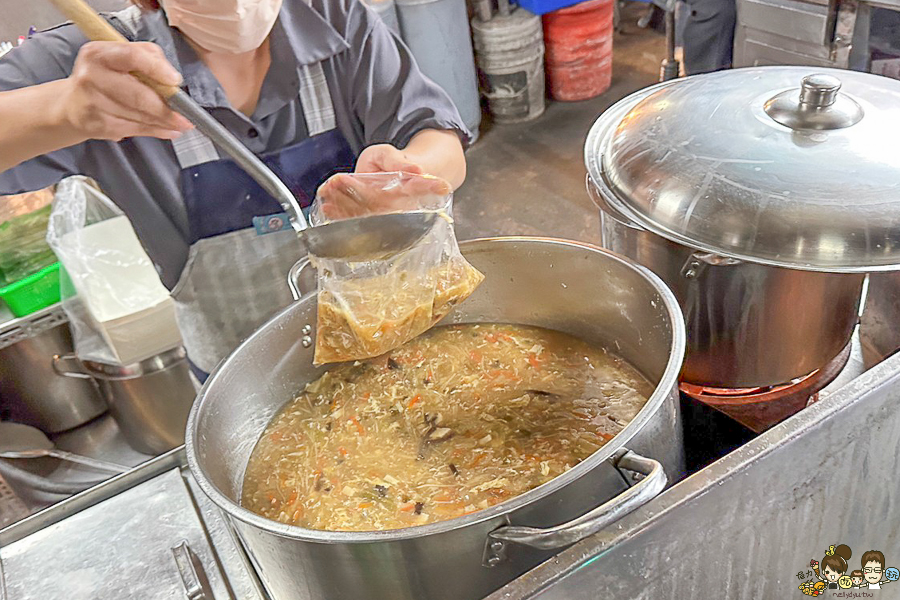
(760, 408)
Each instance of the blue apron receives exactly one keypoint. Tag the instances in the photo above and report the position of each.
(242, 246)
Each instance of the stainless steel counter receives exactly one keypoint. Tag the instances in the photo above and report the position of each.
(120, 540)
(741, 528)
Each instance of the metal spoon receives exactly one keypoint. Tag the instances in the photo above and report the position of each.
(360, 238)
(24, 441)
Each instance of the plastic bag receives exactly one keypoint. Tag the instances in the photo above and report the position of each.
(118, 309)
(23, 227)
(368, 308)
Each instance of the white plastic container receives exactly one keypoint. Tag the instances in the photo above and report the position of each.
(126, 302)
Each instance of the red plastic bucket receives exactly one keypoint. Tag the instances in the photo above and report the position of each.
(578, 44)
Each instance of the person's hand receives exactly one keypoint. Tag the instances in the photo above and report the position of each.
(104, 101)
(385, 158)
(344, 196)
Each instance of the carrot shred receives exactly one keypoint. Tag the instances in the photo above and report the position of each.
(343, 451)
(297, 514)
(364, 505)
(481, 456)
(475, 356)
(534, 361)
(359, 426)
(293, 497)
(505, 337)
(408, 507)
(607, 436)
(415, 400)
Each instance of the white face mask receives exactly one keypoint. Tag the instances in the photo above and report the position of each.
(231, 26)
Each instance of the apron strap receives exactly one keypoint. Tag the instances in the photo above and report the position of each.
(193, 148)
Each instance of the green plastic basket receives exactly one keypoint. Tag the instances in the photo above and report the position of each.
(33, 293)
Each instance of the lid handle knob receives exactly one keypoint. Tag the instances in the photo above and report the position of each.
(819, 106)
(819, 90)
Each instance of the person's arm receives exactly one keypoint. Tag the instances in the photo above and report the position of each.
(408, 122)
(99, 100)
(31, 124)
(435, 152)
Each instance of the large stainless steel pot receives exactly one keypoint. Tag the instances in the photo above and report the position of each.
(761, 197)
(567, 286)
(748, 324)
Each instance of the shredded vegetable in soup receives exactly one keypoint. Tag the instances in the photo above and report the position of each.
(455, 421)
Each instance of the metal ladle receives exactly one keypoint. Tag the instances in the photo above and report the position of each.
(360, 238)
(23, 441)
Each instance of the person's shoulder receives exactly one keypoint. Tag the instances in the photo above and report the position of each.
(47, 55)
(348, 17)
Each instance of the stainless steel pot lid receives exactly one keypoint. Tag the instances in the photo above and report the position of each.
(789, 166)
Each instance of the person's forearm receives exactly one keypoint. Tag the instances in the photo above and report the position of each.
(32, 123)
(439, 153)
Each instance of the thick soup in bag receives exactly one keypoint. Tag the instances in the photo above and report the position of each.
(368, 308)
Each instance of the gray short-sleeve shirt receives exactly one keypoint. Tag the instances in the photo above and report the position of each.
(379, 96)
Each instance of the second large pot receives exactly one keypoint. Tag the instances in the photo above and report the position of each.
(748, 325)
(566, 286)
(762, 197)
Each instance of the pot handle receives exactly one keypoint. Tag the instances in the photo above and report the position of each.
(294, 279)
(193, 576)
(698, 261)
(57, 361)
(653, 482)
(600, 201)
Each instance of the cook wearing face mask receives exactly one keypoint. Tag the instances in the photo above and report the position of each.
(311, 86)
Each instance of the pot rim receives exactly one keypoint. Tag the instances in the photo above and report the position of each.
(660, 394)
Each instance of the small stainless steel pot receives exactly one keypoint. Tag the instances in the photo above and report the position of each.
(561, 285)
(748, 325)
(150, 400)
(31, 392)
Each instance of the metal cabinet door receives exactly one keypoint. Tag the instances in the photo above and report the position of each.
(120, 548)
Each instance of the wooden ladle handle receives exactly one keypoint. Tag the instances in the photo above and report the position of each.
(98, 29)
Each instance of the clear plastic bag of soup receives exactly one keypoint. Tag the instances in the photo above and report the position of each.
(368, 308)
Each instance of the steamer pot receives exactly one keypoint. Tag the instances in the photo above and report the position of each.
(562, 285)
(761, 197)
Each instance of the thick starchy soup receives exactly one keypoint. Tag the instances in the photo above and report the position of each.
(459, 419)
(374, 315)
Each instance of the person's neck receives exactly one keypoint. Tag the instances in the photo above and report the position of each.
(240, 75)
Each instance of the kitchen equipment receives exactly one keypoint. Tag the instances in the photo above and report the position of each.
(509, 53)
(360, 238)
(32, 394)
(149, 400)
(437, 33)
(746, 218)
(147, 541)
(566, 286)
(11, 509)
(23, 441)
